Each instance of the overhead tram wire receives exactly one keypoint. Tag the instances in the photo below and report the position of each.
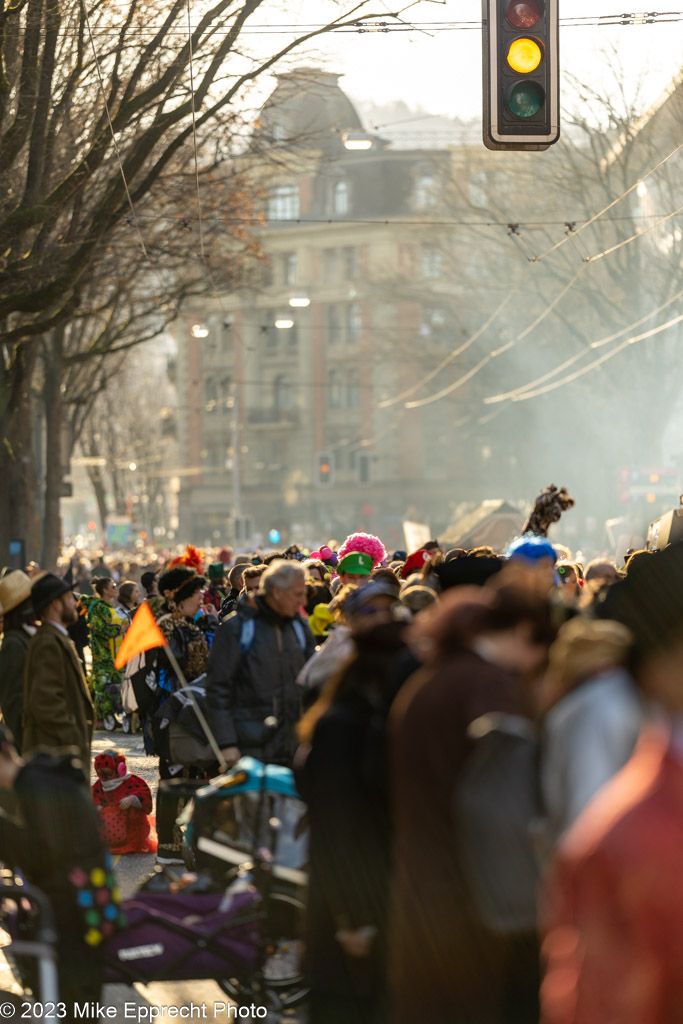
(387, 402)
(598, 362)
(495, 353)
(530, 385)
(611, 205)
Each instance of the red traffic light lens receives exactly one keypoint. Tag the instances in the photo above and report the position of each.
(524, 13)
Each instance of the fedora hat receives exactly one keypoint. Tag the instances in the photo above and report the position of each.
(15, 588)
(46, 588)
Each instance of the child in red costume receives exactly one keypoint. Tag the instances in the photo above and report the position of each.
(124, 802)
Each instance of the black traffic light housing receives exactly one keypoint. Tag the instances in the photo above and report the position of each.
(324, 469)
(521, 74)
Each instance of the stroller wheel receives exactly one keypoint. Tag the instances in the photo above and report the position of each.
(109, 722)
(126, 723)
(279, 984)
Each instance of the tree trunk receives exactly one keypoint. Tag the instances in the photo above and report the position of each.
(18, 493)
(53, 405)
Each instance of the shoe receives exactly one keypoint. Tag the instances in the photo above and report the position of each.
(165, 861)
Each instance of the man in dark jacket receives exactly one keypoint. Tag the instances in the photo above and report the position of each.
(256, 656)
(58, 710)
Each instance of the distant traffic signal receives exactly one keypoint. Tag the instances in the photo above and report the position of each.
(325, 475)
(521, 74)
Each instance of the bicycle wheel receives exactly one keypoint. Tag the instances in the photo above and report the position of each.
(278, 985)
(109, 722)
(126, 722)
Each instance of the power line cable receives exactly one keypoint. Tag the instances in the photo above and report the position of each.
(461, 348)
(598, 362)
(613, 203)
(510, 395)
(494, 354)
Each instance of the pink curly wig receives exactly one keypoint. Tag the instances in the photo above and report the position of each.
(367, 543)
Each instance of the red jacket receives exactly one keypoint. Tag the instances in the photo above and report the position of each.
(613, 906)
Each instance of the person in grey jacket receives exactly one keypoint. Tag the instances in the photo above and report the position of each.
(256, 656)
(590, 732)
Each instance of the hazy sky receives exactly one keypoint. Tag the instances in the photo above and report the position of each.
(441, 73)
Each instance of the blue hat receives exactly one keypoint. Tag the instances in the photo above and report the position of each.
(531, 548)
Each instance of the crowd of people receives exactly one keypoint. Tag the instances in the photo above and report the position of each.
(489, 744)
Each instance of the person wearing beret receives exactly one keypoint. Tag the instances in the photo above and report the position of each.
(58, 710)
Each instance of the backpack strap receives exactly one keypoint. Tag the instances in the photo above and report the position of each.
(246, 635)
(300, 633)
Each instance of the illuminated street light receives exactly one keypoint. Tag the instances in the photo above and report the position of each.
(132, 466)
(284, 323)
(357, 140)
(199, 331)
(299, 301)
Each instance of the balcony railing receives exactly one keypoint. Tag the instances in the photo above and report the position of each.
(273, 417)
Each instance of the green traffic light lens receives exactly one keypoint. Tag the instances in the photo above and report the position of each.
(525, 99)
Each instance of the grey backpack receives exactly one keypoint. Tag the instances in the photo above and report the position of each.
(495, 805)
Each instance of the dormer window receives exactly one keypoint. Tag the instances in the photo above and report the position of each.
(340, 198)
(426, 192)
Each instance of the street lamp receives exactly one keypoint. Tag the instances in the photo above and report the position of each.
(299, 301)
(284, 323)
(357, 140)
(199, 331)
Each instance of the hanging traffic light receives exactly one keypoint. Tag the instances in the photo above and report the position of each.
(521, 74)
(325, 477)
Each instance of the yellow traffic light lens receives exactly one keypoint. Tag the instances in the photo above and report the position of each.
(524, 56)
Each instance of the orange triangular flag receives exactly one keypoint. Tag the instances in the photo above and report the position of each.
(143, 633)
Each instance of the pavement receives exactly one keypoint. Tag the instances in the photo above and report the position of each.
(160, 1001)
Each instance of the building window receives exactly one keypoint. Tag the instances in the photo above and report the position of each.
(364, 467)
(334, 389)
(353, 389)
(329, 266)
(283, 203)
(431, 261)
(289, 268)
(332, 326)
(354, 323)
(434, 323)
(340, 198)
(283, 394)
(351, 263)
(426, 192)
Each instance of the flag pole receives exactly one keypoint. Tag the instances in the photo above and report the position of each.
(198, 711)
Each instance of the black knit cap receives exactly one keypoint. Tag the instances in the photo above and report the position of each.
(179, 583)
(470, 570)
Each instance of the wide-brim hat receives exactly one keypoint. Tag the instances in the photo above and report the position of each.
(47, 587)
(357, 563)
(15, 588)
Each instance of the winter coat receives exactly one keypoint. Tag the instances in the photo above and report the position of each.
(12, 658)
(444, 967)
(349, 816)
(58, 710)
(243, 689)
(587, 738)
(613, 908)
